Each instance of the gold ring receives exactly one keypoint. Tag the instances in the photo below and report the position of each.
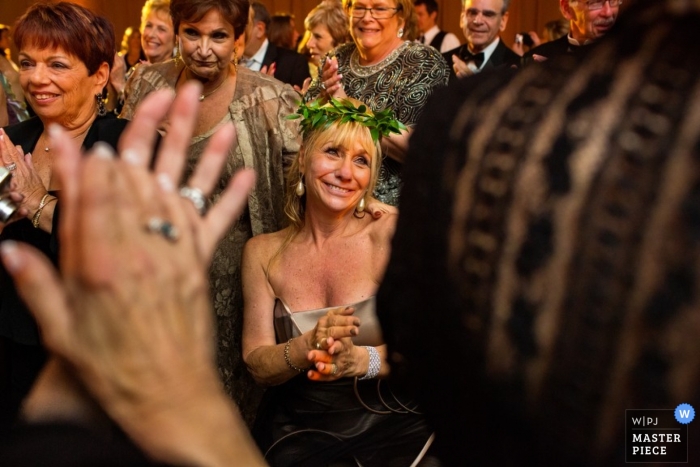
(318, 346)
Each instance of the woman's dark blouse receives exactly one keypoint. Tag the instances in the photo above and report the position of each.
(16, 324)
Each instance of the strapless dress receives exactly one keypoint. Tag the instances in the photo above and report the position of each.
(347, 422)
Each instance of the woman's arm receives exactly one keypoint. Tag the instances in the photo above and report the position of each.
(396, 146)
(263, 356)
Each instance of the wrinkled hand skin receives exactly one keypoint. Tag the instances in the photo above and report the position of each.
(129, 314)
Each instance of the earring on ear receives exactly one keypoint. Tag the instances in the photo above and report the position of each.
(101, 109)
(235, 60)
(361, 205)
(300, 190)
(400, 33)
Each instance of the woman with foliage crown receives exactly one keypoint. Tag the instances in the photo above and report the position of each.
(309, 326)
(385, 69)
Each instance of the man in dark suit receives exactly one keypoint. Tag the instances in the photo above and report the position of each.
(481, 21)
(589, 21)
(262, 55)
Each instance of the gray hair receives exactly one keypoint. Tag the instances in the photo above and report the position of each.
(506, 4)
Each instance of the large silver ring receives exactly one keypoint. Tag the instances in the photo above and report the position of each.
(196, 196)
(11, 167)
(334, 369)
(164, 228)
(322, 85)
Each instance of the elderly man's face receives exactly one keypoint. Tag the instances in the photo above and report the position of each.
(588, 24)
(481, 22)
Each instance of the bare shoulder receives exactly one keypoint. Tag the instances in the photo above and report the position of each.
(382, 227)
(262, 247)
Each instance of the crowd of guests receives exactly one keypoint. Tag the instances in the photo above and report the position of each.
(248, 235)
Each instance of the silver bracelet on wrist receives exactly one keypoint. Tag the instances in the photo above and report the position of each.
(375, 363)
(289, 360)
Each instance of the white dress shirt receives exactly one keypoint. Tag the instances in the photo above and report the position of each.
(254, 63)
(448, 43)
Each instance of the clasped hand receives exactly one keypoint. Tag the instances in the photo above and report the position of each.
(27, 187)
(334, 355)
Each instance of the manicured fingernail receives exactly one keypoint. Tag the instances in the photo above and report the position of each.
(103, 151)
(130, 156)
(166, 184)
(10, 255)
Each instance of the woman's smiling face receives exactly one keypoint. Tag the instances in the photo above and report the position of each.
(370, 33)
(338, 171)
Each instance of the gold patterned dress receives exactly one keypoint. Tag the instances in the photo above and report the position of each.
(266, 138)
(403, 82)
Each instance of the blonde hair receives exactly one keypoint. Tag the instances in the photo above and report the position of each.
(341, 133)
(151, 6)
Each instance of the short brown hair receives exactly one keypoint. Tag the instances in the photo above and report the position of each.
(333, 17)
(73, 28)
(234, 11)
(280, 31)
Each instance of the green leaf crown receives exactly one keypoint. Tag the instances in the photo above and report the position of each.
(319, 114)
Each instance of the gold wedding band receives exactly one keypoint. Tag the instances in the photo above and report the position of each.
(318, 346)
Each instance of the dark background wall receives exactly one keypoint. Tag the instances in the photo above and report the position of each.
(525, 15)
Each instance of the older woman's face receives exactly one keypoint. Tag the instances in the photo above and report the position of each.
(207, 45)
(320, 43)
(337, 175)
(57, 86)
(158, 37)
(370, 33)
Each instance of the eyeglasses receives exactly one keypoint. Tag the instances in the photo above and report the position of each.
(592, 5)
(376, 13)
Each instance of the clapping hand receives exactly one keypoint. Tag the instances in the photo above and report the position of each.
(330, 80)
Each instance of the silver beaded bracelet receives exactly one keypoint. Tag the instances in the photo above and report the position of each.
(289, 360)
(375, 363)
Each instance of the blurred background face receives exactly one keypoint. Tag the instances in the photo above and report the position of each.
(482, 21)
(158, 37)
(589, 24)
(135, 41)
(425, 20)
(320, 43)
(5, 39)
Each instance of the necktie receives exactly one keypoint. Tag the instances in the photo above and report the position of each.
(422, 39)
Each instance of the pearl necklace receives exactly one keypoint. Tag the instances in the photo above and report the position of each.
(47, 149)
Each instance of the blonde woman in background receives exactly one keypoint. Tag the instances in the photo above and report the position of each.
(326, 28)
